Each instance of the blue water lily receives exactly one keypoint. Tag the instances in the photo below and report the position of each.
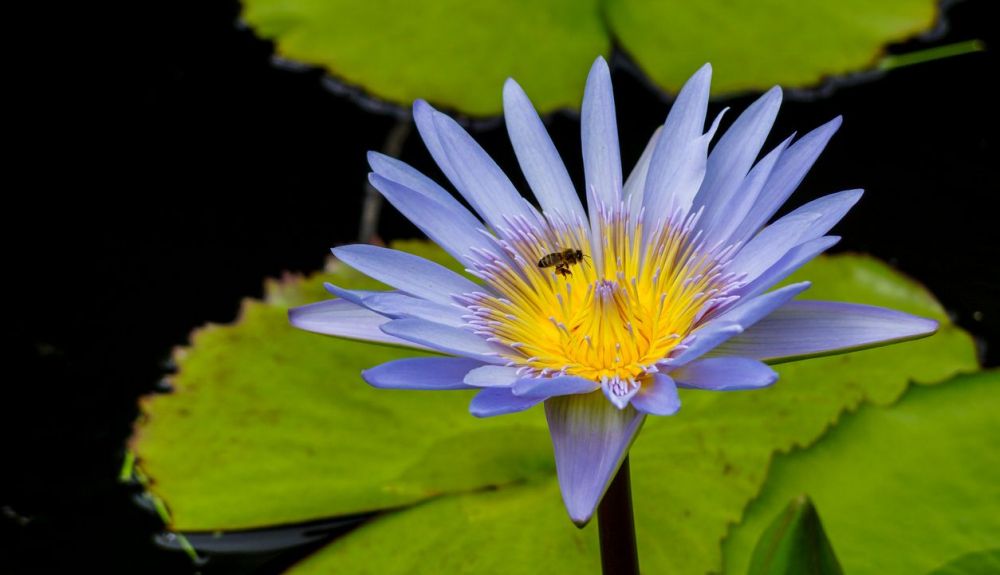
(664, 281)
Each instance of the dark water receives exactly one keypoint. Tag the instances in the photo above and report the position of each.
(206, 121)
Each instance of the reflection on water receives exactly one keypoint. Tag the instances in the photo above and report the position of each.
(263, 550)
(266, 550)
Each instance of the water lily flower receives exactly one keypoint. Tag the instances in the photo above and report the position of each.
(664, 281)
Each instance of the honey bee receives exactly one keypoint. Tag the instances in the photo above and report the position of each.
(562, 260)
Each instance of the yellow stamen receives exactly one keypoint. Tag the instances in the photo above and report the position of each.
(610, 319)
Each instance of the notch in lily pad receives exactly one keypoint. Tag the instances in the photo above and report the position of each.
(795, 544)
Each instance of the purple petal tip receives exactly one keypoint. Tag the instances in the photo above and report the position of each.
(599, 64)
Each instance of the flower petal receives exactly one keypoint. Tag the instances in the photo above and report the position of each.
(440, 373)
(725, 374)
(455, 236)
(602, 163)
(720, 224)
(791, 261)
(342, 318)
(748, 312)
(793, 165)
(354, 296)
(397, 305)
(635, 185)
(479, 179)
(771, 244)
(407, 272)
(704, 340)
(409, 177)
(830, 208)
(730, 160)
(492, 376)
(678, 182)
(678, 162)
(657, 396)
(546, 387)
(445, 339)
(803, 329)
(499, 401)
(686, 120)
(591, 437)
(543, 168)
(423, 117)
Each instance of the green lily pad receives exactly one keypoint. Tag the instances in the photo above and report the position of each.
(523, 529)
(268, 425)
(903, 490)
(975, 563)
(457, 54)
(451, 52)
(753, 44)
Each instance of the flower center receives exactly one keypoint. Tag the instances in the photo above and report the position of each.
(608, 312)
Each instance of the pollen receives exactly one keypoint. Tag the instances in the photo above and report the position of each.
(630, 301)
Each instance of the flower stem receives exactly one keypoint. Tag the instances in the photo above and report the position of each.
(617, 527)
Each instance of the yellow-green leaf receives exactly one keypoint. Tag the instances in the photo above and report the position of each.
(453, 53)
(457, 54)
(902, 489)
(754, 44)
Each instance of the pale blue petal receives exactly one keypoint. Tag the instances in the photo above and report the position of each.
(719, 225)
(543, 168)
(438, 373)
(397, 305)
(791, 261)
(771, 244)
(635, 185)
(657, 396)
(686, 120)
(455, 236)
(591, 438)
(793, 165)
(703, 341)
(492, 376)
(747, 312)
(407, 272)
(423, 117)
(679, 182)
(678, 163)
(545, 387)
(355, 296)
(831, 209)
(725, 374)
(342, 318)
(813, 328)
(407, 176)
(599, 133)
(499, 401)
(445, 339)
(808, 222)
(736, 151)
(479, 179)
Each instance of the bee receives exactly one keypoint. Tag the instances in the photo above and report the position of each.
(562, 260)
